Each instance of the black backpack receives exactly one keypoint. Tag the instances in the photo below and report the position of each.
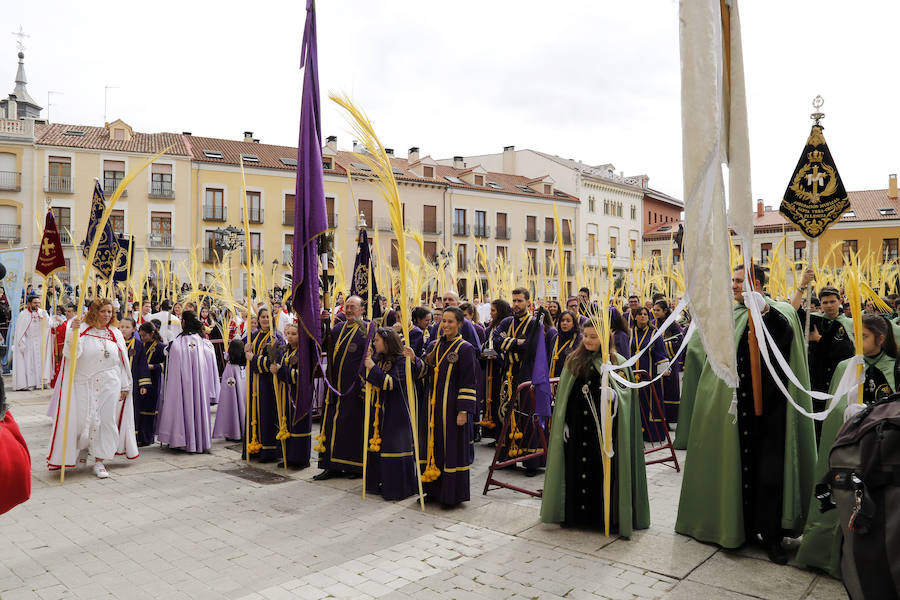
(864, 485)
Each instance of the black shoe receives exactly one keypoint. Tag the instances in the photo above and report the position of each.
(354, 475)
(776, 552)
(531, 472)
(326, 474)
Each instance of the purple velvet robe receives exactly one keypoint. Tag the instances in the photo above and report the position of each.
(391, 471)
(562, 346)
(342, 421)
(651, 419)
(494, 369)
(231, 413)
(450, 387)
(299, 427)
(262, 404)
(191, 382)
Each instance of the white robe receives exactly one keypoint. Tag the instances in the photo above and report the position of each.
(170, 325)
(99, 423)
(33, 337)
(284, 319)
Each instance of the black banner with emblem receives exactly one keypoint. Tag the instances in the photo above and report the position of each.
(815, 197)
(359, 286)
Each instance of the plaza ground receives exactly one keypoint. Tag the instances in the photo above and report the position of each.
(182, 526)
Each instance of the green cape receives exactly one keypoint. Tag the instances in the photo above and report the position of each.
(629, 491)
(694, 361)
(711, 505)
(821, 544)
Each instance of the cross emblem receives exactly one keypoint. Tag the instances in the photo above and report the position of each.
(192, 345)
(21, 41)
(815, 179)
(47, 247)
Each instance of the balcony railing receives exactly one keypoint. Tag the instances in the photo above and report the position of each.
(287, 255)
(570, 269)
(384, 224)
(502, 233)
(212, 255)
(110, 185)
(159, 240)
(257, 255)
(532, 235)
(482, 231)
(461, 229)
(432, 228)
(256, 216)
(161, 189)
(215, 212)
(10, 180)
(64, 238)
(549, 236)
(10, 234)
(59, 184)
(567, 238)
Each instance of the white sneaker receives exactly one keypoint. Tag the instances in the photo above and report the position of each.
(100, 470)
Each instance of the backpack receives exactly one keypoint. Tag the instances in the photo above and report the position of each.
(864, 485)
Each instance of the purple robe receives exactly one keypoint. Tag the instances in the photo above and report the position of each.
(231, 413)
(299, 427)
(342, 421)
(147, 368)
(493, 369)
(623, 343)
(191, 383)
(263, 407)
(391, 470)
(671, 386)
(450, 384)
(651, 419)
(563, 344)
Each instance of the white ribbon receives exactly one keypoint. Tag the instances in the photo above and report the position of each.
(611, 368)
(604, 428)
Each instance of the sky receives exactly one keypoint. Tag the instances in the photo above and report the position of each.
(597, 81)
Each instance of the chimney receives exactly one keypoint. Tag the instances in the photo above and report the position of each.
(509, 160)
(248, 136)
(458, 162)
(12, 108)
(358, 148)
(389, 152)
(412, 155)
(760, 209)
(185, 133)
(892, 186)
(331, 143)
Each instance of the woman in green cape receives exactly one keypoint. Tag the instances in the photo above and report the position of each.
(821, 544)
(573, 485)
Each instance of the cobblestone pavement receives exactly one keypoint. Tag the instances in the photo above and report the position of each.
(172, 525)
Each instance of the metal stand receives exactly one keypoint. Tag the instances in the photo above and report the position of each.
(645, 421)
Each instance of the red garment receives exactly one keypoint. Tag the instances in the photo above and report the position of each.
(15, 465)
(60, 332)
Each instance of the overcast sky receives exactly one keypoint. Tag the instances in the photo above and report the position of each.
(596, 81)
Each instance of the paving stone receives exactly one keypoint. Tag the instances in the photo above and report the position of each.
(753, 577)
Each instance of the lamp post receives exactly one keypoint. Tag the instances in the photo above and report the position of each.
(226, 240)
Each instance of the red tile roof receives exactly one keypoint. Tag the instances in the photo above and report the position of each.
(97, 138)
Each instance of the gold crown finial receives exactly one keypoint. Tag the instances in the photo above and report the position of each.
(818, 115)
(815, 156)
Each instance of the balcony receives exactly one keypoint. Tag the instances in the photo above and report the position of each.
(461, 229)
(14, 128)
(110, 185)
(570, 269)
(212, 255)
(482, 231)
(432, 228)
(502, 233)
(256, 216)
(161, 189)
(11, 234)
(59, 184)
(215, 212)
(159, 240)
(11, 181)
(64, 238)
(384, 224)
(256, 255)
(567, 238)
(287, 255)
(532, 235)
(550, 236)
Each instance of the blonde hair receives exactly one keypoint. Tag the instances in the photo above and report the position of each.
(92, 317)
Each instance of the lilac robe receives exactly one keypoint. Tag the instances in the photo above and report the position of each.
(342, 421)
(231, 413)
(191, 382)
(299, 427)
(653, 422)
(451, 389)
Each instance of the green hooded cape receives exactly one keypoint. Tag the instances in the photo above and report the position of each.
(711, 505)
(821, 545)
(694, 361)
(629, 500)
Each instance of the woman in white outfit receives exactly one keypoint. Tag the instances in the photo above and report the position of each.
(101, 419)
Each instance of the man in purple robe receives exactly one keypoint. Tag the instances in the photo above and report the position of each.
(340, 441)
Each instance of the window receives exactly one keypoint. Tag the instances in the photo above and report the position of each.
(502, 253)
(887, 212)
(494, 185)
(117, 220)
(254, 207)
(250, 158)
(619, 209)
(613, 245)
(570, 266)
(548, 189)
(591, 204)
(649, 217)
(606, 207)
(287, 251)
(292, 162)
(532, 259)
(479, 180)
(212, 154)
(428, 171)
(161, 181)
(430, 250)
(395, 260)
(287, 212)
(567, 231)
(459, 221)
(850, 214)
(889, 249)
(676, 256)
(113, 174)
(455, 180)
(329, 210)
(63, 216)
(480, 223)
(160, 229)
(525, 189)
(429, 219)
(633, 213)
(849, 248)
(592, 244)
(549, 261)
(765, 253)
(214, 206)
(118, 133)
(502, 230)
(531, 228)
(549, 230)
(59, 171)
(799, 250)
(365, 208)
(654, 217)
(633, 246)
(461, 262)
(657, 253)
(255, 246)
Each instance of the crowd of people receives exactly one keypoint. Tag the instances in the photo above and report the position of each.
(508, 373)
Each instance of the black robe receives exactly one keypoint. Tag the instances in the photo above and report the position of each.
(261, 403)
(297, 428)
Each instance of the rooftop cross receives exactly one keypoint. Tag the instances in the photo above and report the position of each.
(21, 35)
